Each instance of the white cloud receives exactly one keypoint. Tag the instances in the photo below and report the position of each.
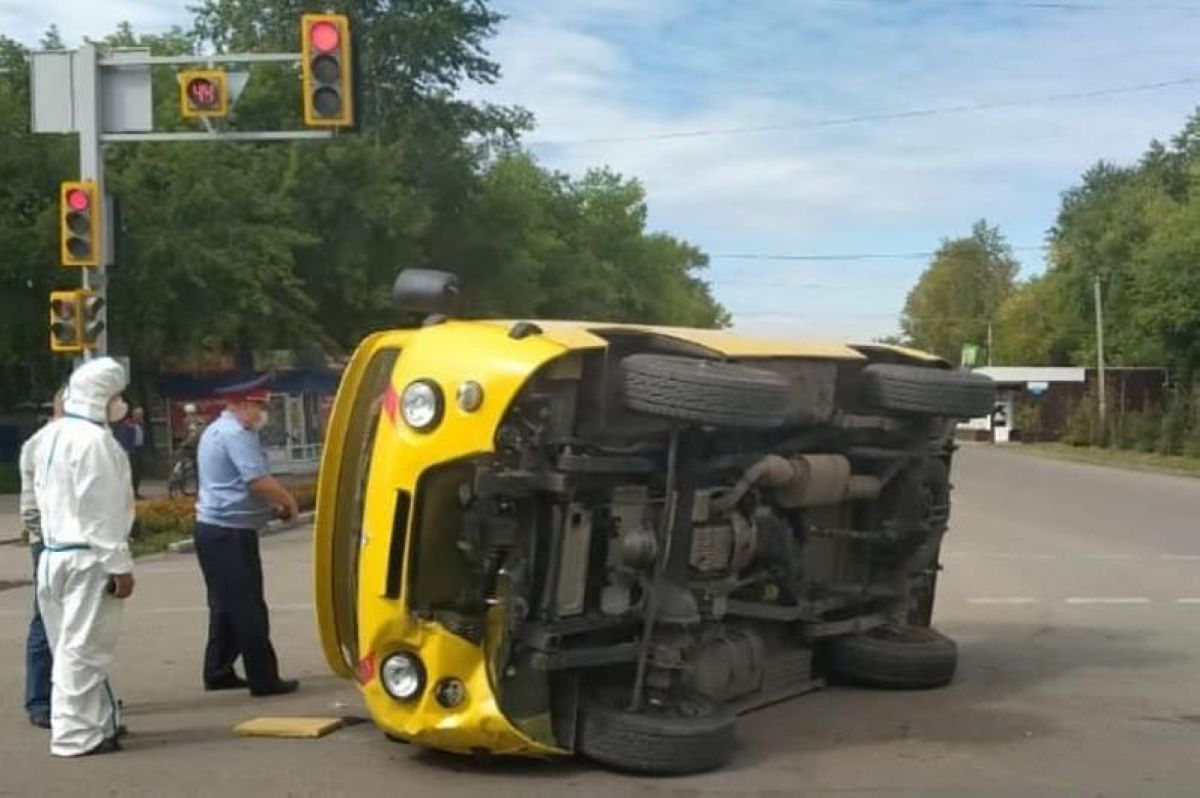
(875, 187)
(26, 21)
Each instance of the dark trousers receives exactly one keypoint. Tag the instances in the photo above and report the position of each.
(39, 659)
(237, 612)
(135, 471)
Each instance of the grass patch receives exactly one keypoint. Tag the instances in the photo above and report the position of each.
(1117, 458)
(161, 522)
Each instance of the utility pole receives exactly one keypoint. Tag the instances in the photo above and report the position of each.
(1100, 388)
(989, 342)
(91, 167)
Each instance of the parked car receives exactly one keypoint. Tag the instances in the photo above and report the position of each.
(546, 538)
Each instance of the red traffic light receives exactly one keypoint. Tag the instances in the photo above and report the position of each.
(78, 200)
(325, 37)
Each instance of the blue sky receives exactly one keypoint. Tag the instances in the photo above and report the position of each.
(604, 77)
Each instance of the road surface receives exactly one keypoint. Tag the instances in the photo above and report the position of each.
(1073, 590)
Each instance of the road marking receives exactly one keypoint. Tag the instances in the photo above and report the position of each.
(1182, 557)
(1003, 600)
(1108, 600)
(1187, 601)
(1110, 556)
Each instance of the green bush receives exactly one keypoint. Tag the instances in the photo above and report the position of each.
(1081, 426)
(1029, 421)
(1173, 428)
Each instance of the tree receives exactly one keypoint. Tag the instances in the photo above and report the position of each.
(236, 247)
(960, 293)
(1030, 328)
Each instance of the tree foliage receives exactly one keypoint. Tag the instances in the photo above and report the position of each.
(236, 247)
(960, 292)
(1138, 228)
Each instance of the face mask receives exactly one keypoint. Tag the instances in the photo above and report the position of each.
(263, 418)
(117, 410)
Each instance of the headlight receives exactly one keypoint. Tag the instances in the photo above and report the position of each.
(421, 405)
(402, 676)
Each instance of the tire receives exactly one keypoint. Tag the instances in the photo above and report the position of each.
(927, 391)
(709, 392)
(895, 658)
(656, 743)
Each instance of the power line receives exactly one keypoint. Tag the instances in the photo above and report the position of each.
(853, 256)
(914, 113)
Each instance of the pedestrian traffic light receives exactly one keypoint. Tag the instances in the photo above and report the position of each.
(203, 93)
(65, 322)
(91, 323)
(325, 68)
(79, 223)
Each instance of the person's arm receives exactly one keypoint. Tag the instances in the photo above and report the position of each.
(31, 516)
(272, 491)
(106, 509)
(248, 456)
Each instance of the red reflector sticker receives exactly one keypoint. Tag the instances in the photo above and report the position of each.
(366, 669)
(391, 403)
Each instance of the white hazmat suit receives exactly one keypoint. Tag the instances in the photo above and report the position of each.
(84, 493)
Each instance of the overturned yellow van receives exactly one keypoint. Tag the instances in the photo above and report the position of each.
(551, 538)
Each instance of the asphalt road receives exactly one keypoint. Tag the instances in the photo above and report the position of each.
(1074, 592)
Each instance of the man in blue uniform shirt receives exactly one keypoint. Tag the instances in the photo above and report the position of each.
(238, 496)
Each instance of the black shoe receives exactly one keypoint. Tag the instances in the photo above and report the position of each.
(108, 745)
(230, 682)
(281, 687)
(40, 720)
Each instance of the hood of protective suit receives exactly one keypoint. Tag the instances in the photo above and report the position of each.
(91, 387)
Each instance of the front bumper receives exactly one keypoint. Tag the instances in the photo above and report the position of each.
(476, 724)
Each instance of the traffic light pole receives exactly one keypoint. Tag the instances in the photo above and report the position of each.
(91, 167)
(106, 97)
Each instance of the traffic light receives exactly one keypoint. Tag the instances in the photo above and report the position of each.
(91, 315)
(79, 223)
(326, 68)
(65, 322)
(203, 93)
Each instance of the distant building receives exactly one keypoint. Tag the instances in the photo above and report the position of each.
(1050, 393)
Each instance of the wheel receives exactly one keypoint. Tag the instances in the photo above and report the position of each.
(894, 657)
(927, 391)
(708, 392)
(190, 484)
(693, 737)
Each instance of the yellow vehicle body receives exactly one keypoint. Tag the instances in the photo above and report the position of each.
(362, 549)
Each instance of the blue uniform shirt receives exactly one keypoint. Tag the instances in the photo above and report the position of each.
(229, 458)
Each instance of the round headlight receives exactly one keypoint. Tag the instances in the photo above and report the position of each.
(421, 405)
(402, 676)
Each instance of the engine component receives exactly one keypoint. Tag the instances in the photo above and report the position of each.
(731, 545)
(807, 480)
(573, 562)
(633, 543)
(616, 598)
(727, 665)
(638, 549)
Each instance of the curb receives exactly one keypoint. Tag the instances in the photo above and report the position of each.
(272, 528)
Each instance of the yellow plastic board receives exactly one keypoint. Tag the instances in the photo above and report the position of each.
(304, 728)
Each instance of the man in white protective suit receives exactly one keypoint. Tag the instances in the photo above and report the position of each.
(83, 490)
